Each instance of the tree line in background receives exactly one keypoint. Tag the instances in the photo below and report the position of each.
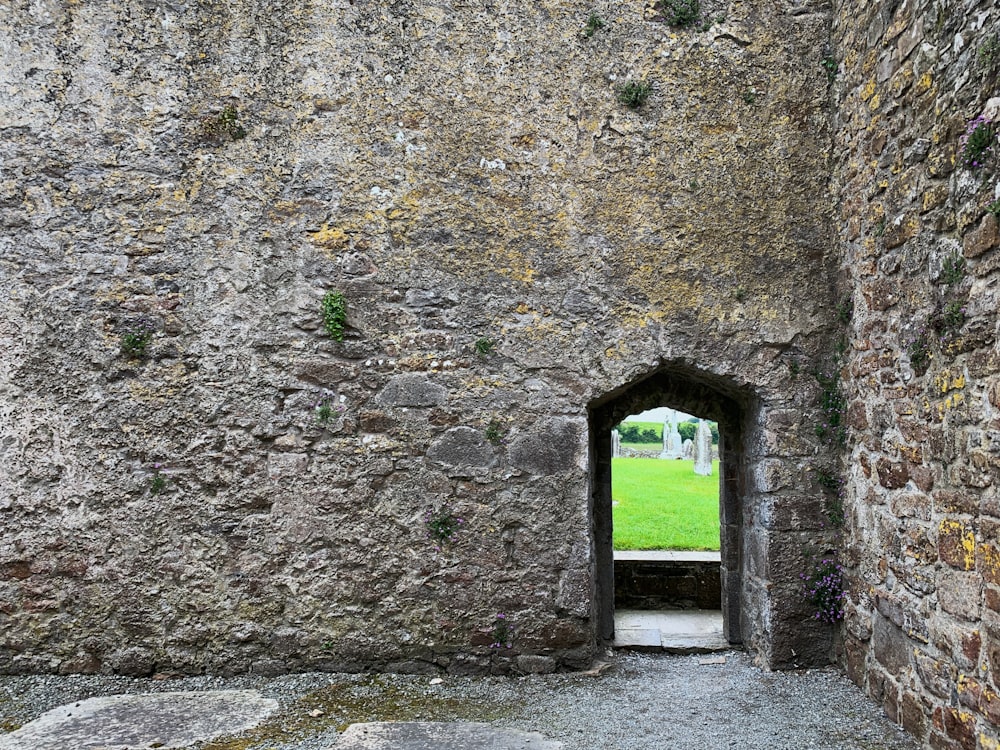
(638, 432)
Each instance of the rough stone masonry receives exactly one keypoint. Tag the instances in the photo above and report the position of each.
(523, 259)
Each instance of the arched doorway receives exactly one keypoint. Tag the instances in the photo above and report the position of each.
(682, 387)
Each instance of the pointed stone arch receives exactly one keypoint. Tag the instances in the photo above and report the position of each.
(761, 554)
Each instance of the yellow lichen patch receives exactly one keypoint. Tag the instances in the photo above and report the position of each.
(330, 238)
(951, 402)
(988, 743)
(945, 382)
(961, 551)
(989, 556)
(867, 91)
(874, 103)
(924, 83)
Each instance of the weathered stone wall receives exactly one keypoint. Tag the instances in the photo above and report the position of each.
(920, 256)
(459, 172)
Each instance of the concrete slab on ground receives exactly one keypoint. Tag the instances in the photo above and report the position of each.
(161, 720)
(678, 632)
(430, 735)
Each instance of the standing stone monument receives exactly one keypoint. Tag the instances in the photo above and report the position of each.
(671, 437)
(616, 444)
(703, 449)
(687, 449)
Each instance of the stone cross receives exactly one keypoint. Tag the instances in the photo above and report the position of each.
(671, 437)
(703, 449)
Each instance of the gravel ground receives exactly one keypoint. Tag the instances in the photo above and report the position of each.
(639, 702)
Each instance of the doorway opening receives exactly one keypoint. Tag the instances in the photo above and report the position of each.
(690, 391)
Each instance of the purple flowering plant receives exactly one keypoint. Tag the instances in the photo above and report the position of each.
(919, 351)
(326, 405)
(978, 142)
(832, 429)
(824, 589)
(442, 525)
(136, 336)
(502, 632)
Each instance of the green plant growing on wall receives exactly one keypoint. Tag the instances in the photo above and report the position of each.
(136, 338)
(952, 316)
(159, 482)
(830, 66)
(334, 315)
(994, 208)
(484, 346)
(834, 406)
(823, 588)
(918, 349)
(845, 310)
(223, 126)
(750, 96)
(680, 13)
(501, 632)
(594, 24)
(988, 54)
(978, 142)
(495, 432)
(633, 94)
(442, 525)
(953, 269)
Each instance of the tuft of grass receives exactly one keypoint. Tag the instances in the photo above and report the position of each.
(681, 13)
(594, 24)
(633, 94)
(664, 505)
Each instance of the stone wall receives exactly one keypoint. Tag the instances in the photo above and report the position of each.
(920, 259)
(461, 174)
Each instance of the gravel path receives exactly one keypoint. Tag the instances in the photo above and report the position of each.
(640, 702)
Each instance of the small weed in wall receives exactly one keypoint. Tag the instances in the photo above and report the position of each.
(633, 94)
(988, 54)
(978, 142)
(750, 96)
(823, 588)
(326, 406)
(845, 310)
(594, 24)
(223, 126)
(680, 13)
(484, 346)
(159, 482)
(136, 338)
(442, 525)
(952, 317)
(953, 269)
(830, 66)
(994, 208)
(502, 632)
(918, 348)
(495, 433)
(833, 405)
(334, 315)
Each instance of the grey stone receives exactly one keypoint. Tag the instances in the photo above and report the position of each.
(462, 446)
(411, 389)
(703, 450)
(428, 735)
(552, 448)
(126, 722)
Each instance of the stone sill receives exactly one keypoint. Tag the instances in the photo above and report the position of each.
(667, 555)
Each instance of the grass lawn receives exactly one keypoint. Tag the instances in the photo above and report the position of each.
(664, 505)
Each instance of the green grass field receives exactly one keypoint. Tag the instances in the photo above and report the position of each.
(664, 505)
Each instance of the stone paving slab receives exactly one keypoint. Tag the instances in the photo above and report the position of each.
(429, 735)
(149, 720)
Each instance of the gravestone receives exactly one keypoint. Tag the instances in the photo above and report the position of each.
(671, 437)
(616, 444)
(687, 449)
(703, 449)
